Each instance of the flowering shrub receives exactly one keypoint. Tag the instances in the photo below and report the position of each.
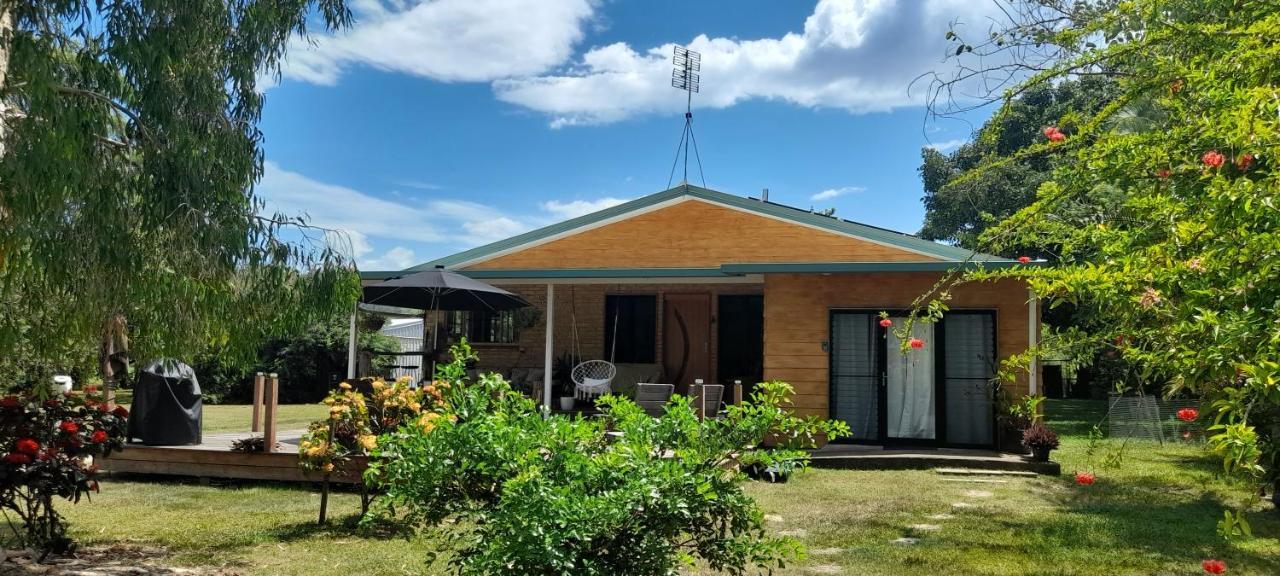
(48, 444)
(359, 412)
(623, 494)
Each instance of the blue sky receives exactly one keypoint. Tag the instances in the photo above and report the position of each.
(430, 127)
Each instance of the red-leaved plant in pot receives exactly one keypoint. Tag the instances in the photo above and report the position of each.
(47, 446)
(1040, 440)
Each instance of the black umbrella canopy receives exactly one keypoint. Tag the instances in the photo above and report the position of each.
(440, 289)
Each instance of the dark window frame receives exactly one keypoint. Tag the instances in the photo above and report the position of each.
(484, 327)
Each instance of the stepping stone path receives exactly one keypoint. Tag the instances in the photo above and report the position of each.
(941, 516)
(925, 527)
(961, 505)
(977, 494)
(794, 533)
(772, 518)
(825, 551)
(826, 569)
(905, 541)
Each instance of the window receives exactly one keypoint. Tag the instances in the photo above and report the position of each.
(633, 322)
(484, 327)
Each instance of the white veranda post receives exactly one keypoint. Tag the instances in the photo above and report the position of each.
(351, 347)
(546, 358)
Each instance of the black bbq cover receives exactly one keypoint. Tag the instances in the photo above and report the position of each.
(167, 410)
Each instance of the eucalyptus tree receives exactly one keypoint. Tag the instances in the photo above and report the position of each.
(128, 214)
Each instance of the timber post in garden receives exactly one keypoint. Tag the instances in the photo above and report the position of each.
(257, 402)
(269, 422)
(737, 392)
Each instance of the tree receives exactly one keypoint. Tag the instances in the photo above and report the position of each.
(957, 208)
(1184, 261)
(127, 204)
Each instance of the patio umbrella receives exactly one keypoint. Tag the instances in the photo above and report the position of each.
(434, 290)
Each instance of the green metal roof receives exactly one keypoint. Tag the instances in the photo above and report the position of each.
(804, 217)
(726, 270)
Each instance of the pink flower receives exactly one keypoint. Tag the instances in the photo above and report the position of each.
(1085, 478)
(916, 343)
(1212, 566)
(885, 322)
(1244, 161)
(1213, 159)
(1024, 259)
(1057, 137)
(1150, 298)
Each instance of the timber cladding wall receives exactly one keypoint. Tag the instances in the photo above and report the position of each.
(697, 234)
(797, 312)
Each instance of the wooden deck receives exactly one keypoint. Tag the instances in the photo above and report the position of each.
(214, 459)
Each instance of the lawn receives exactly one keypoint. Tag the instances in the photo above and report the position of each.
(1153, 514)
(236, 417)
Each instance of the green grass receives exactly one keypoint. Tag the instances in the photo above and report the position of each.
(237, 417)
(1154, 514)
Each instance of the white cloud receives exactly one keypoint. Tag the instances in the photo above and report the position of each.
(830, 193)
(397, 258)
(948, 145)
(575, 208)
(447, 40)
(362, 217)
(857, 55)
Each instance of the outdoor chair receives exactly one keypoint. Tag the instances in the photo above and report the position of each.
(709, 399)
(591, 379)
(653, 397)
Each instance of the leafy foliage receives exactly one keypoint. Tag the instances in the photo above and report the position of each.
(49, 443)
(130, 154)
(359, 412)
(1182, 261)
(524, 492)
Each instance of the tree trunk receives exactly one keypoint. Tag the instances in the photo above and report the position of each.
(113, 355)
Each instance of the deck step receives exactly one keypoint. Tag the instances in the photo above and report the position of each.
(981, 472)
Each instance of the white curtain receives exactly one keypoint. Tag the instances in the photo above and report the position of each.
(910, 408)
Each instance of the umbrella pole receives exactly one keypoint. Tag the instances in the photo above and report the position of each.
(351, 346)
(435, 334)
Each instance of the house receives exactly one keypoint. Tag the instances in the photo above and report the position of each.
(691, 283)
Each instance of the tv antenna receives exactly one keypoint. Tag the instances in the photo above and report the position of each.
(685, 77)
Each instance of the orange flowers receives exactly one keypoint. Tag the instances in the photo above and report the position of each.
(1085, 478)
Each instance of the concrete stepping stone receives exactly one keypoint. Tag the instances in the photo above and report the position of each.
(941, 516)
(772, 518)
(925, 527)
(905, 541)
(961, 505)
(977, 494)
(825, 551)
(794, 533)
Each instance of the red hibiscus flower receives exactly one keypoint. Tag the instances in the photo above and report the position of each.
(885, 322)
(1024, 259)
(69, 427)
(1188, 414)
(10, 402)
(121, 412)
(916, 343)
(27, 446)
(1085, 478)
(1244, 161)
(17, 458)
(1213, 159)
(98, 436)
(1212, 566)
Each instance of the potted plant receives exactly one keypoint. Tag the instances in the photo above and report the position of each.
(562, 377)
(1040, 440)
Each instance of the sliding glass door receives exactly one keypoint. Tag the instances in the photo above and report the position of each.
(939, 393)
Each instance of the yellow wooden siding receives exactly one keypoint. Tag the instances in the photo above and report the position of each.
(696, 234)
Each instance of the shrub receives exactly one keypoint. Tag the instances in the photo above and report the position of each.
(359, 412)
(1040, 436)
(48, 444)
(625, 494)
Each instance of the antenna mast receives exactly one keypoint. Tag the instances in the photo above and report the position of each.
(685, 77)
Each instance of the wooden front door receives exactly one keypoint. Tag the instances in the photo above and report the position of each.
(686, 338)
